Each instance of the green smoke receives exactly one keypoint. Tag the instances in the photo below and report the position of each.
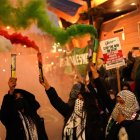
(24, 15)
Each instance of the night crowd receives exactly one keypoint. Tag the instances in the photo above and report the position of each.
(95, 110)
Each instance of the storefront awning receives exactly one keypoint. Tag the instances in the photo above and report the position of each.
(66, 6)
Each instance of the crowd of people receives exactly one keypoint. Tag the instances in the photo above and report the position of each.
(94, 111)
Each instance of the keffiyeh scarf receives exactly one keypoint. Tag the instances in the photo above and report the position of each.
(29, 127)
(129, 109)
(77, 120)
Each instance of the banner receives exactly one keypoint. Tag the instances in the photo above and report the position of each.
(112, 53)
(77, 60)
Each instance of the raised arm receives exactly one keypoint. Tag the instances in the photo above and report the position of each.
(101, 90)
(8, 107)
(55, 100)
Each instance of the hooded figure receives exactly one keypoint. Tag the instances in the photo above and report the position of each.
(20, 118)
(129, 108)
(124, 120)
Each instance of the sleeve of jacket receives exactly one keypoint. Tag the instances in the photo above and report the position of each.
(62, 107)
(101, 91)
(8, 111)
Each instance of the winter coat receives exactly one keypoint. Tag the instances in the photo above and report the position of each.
(126, 130)
(11, 120)
(93, 130)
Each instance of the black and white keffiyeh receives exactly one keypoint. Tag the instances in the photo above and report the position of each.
(77, 120)
(130, 107)
(29, 127)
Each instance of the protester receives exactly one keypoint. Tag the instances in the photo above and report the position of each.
(99, 102)
(19, 115)
(82, 116)
(124, 121)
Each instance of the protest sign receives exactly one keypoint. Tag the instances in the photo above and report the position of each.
(112, 53)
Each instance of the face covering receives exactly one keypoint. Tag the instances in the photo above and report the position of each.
(117, 110)
(21, 103)
(130, 106)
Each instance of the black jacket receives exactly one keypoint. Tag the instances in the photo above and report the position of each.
(131, 127)
(11, 120)
(93, 129)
